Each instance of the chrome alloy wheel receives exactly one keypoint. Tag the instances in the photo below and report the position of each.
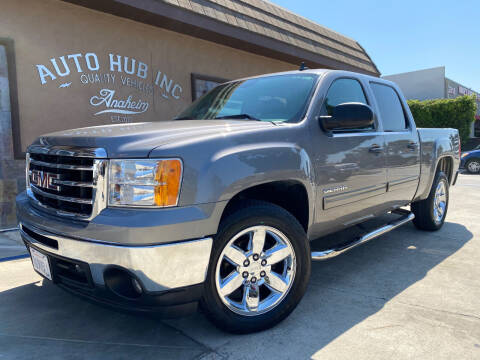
(255, 271)
(474, 166)
(440, 202)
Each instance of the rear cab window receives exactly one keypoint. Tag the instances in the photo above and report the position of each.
(390, 108)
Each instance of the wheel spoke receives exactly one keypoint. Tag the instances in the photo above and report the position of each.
(251, 270)
(231, 283)
(441, 207)
(277, 254)
(258, 240)
(275, 282)
(251, 297)
(235, 255)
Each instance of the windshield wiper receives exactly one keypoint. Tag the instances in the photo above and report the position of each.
(238, 116)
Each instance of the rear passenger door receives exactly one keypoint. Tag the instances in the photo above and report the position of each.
(402, 145)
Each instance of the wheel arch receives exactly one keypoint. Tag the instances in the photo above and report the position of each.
(445, 164)
(291, 195)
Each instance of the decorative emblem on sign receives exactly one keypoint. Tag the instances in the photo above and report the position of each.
(118, 106)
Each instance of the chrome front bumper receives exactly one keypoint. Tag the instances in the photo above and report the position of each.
(158, 267)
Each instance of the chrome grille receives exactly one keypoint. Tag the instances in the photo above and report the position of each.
(67, 181)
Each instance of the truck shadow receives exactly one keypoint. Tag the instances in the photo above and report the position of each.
(343, 292)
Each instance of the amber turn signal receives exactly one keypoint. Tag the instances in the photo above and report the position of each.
(168, 177)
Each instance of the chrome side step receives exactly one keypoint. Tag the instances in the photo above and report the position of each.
(327, 254)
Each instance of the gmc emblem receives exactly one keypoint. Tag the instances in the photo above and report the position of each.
(44, 179)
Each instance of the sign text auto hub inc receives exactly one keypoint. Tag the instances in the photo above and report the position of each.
(122, 87)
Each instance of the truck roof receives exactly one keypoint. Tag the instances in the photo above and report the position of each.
(315, 71)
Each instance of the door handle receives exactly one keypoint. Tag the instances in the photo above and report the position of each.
(412, 146)
(375, 149)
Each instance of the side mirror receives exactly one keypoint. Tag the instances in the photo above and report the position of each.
(348, 116)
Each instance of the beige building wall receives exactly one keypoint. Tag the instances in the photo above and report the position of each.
(77, 67)
(49, 33)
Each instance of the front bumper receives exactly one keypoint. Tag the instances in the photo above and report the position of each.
(171, 276)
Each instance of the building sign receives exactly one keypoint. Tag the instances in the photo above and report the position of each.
(122, 87)
(464, 91)
(452, 91)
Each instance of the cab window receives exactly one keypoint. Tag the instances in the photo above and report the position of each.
(390, 108)
(343, 91)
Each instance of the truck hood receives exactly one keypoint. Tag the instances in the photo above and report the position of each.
(137, 140)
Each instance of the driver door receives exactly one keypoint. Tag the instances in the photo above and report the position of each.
(350, 169)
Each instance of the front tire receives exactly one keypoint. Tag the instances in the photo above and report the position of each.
(430, 213)
(259, 269)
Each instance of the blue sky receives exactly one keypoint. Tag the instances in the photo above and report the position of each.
(406, 35)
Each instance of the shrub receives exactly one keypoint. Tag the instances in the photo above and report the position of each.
(458, 113)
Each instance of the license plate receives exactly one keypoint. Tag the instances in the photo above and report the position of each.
(40, 263)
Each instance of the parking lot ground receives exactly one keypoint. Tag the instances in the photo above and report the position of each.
(11, 245)
(406, 295)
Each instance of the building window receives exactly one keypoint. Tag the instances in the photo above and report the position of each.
(476, 128)
(201, 84)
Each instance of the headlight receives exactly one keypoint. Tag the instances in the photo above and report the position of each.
(144, 183)
(465, 154)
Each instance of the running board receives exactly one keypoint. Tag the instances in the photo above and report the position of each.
(407, 216)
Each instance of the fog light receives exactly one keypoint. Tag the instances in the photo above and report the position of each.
(122, 283)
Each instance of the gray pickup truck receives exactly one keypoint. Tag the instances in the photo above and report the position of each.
(219, 205)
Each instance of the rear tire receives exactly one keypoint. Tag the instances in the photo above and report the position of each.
(473, 166)
(430, 213)
(266, 287)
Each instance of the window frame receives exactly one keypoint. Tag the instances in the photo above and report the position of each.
(8, 43)
(369, 103)
(408, 122)
(196, 76)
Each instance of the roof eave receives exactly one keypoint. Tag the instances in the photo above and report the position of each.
(176, 19)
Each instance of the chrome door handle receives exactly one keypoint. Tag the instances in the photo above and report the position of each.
(375, 149)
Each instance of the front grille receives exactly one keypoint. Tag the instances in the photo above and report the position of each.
(62, 182)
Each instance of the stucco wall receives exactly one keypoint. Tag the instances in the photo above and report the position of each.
(95, 88)
(46, 30)
(421, 84)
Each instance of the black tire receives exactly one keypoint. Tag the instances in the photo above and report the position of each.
(468, 165)
(257, 213)
(424, 210)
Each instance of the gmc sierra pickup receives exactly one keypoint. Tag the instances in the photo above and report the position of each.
(218, 206)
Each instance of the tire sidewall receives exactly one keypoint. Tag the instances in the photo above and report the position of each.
(268, 215)
(438, 178)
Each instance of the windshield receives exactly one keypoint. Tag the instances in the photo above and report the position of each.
(272, 98)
